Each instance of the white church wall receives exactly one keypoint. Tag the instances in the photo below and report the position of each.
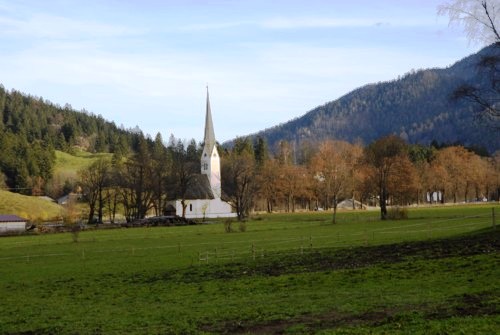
(205, 208)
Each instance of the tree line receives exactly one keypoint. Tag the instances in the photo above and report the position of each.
(32, 128)
(388, 171)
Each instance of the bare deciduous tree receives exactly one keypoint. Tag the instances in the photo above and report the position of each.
(94, 180)
(479, 18)
(480, 21)
(332, 165)
(384, 156)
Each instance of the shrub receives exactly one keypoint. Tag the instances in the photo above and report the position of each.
(243, 226)
(75, 232)
(397, 213)
(228, 225)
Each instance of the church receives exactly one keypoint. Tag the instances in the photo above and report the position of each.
(203, 199)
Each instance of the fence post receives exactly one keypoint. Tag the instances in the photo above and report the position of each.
(493, 219)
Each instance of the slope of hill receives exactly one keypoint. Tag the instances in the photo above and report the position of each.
(32, 208)
(417, 106)
(31, 129)
(67, 165)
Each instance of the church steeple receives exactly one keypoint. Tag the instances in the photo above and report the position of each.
(210, 161)
(209, 138)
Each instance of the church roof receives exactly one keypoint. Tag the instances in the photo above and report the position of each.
(199, 188)
(209, 138)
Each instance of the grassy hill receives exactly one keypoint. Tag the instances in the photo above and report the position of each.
(32, 208)
(68, 165)
(434, 273)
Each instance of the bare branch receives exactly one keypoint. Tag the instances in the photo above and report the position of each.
(485, 6)
(479, 18)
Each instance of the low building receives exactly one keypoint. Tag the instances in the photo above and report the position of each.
(12, 224)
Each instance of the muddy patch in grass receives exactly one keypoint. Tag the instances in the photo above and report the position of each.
(460, 306)
(276, 264)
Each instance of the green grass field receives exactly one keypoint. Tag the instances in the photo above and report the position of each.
(436, 272)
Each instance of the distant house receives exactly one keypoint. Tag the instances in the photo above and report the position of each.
(71, 197)
(12, 223)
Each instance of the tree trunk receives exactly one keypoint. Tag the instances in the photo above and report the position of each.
(466, 192)
(184, 205)
(334, 221)
(101, 206)
(91, 215)
(383, 205)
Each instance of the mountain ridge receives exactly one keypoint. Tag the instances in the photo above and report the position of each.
(416, 106)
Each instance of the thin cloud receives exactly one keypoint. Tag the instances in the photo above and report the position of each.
(321, 22)
(215, 26)
(314, 22)
(57, 27)
(286, 23)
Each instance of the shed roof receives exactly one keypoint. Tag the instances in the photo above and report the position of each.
(11, 218)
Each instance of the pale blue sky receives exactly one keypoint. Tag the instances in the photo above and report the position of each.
(147, 62)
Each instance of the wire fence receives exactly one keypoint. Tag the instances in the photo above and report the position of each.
(248, 250)
(300, 246)
(216, 251)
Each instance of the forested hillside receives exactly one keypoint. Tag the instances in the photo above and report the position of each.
(32, 129)
(417, 106)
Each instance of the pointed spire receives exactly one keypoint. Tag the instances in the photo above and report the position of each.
(209, 127)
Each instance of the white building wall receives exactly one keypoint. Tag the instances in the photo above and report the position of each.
(210, 165)
(12, 227)
(205, 208)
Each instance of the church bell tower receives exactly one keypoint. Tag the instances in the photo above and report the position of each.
(210, 160)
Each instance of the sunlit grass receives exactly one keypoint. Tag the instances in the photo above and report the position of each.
(158, 279)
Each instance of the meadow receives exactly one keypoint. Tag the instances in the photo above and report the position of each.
(33, 208)
(38, 209)
(67, 165)
(435, 272)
